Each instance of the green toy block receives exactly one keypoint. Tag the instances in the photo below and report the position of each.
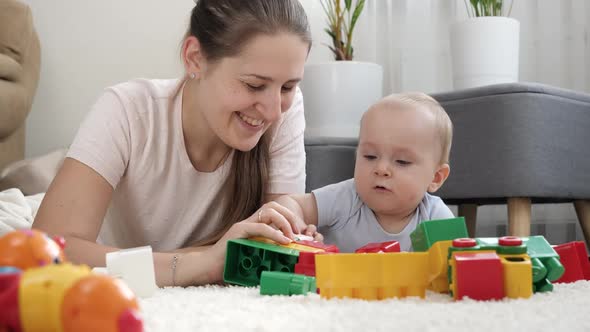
(429, 232)
(491, 243)
(285, 283)
(546, 264)
(247, 259)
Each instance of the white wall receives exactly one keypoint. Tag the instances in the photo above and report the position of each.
(89, 45)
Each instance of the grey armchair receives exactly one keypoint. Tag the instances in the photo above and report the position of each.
(516, 144)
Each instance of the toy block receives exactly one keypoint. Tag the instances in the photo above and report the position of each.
(544, 260)
(246, 259)
(429, 232)
(372, 276)
(306, 264)
(477, 275)
(318, 245)
(546, 264)
(297, 245)
(574, 257)
(135, 266)
(516, 264)
(506, 245)
(285, 283)
(377, 247)
(439, 263)
(518, 276)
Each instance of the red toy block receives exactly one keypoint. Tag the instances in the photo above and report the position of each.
(306, 263)
(574, 258)
(377, 247)
(316, 244)
(479, 276)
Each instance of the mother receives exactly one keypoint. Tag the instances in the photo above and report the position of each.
(183, 165)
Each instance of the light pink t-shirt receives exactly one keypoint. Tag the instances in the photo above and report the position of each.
(133, 138)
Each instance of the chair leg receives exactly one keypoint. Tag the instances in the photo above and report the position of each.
(469, 212)
(519, 216)
(583, 212)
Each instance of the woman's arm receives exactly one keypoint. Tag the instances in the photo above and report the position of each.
(75, 205)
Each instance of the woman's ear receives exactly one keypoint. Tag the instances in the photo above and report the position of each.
(440, 176)
(192, 57)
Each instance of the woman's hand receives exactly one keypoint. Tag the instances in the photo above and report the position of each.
(272, 221)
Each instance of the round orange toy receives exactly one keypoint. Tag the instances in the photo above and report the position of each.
(25, 249)
(100, 303)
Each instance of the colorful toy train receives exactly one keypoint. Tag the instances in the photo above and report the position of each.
(445, 260)
(41, 291)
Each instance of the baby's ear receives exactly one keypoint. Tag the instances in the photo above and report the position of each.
(440, 176)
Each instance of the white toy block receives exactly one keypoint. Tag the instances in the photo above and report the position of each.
(301, 237)
(135, 266)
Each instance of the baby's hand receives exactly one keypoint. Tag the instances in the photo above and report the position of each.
(312, 232)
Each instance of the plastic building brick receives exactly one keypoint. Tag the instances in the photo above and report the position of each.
(246, 259)
(302, 237)
(306, 264)
(24, 249)
(311, 246)
(372, 276)
(390, 246)
(574, 257)
(546, 264)
(518, 276)
(477, 275)
(516, 264)
(135, 266)
(64, 297)
(438, 263)
(429, 232)
(318, 245)
(285, 283)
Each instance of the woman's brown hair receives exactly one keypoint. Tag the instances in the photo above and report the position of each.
(223, 27)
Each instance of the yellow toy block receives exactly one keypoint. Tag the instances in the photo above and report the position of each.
(439, 266)
(372, 276)
(518, 276)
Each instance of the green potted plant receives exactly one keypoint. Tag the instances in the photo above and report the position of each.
(485, 46)
(341, 23)
(337, 92)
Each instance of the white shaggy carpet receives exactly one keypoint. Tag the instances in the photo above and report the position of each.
(216, 308)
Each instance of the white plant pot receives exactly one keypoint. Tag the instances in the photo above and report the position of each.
(484, 51)
(337, 93)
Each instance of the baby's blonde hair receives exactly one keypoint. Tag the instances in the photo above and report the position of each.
(444, 126)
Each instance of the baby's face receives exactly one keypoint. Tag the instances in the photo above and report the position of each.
(397, 158)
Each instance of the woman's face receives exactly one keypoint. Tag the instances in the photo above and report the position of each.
(242, 96)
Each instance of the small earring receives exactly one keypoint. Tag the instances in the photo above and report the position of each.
(192, 76)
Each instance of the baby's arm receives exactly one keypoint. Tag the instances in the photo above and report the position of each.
(303, 206)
